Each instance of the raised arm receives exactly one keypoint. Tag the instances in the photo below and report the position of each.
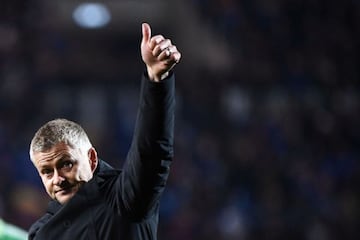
(147, 165)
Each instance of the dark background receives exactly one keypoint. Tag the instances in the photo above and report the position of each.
(267, 129)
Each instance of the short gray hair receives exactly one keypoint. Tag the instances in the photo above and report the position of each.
(57, 131)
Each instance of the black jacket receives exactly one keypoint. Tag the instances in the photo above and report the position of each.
(122, 204)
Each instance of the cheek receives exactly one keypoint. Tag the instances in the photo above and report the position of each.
(47, 185)
(74, 174)
(84, 173)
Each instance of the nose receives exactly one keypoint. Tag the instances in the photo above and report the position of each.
(58, 179)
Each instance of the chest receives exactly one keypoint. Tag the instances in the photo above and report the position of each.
(86, 222)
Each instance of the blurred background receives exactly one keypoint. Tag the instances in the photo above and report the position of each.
(268, 104)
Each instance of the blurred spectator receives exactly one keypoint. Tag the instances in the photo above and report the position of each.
(11, 232)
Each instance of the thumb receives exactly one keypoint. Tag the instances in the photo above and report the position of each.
(146, 33)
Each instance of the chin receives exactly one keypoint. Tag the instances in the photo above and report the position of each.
(64, 197)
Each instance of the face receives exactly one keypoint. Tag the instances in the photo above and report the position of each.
(64, 169)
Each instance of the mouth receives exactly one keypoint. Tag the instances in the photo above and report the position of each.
(64, 190)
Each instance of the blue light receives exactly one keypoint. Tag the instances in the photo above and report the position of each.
(91, 15)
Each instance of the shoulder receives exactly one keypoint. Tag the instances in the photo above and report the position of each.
(38, 225)
(105, 171)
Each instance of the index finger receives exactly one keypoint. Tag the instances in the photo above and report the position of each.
(154, 41)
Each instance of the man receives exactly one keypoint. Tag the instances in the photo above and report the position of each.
(90, 199)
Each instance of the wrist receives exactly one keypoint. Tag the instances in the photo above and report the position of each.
(156, 77)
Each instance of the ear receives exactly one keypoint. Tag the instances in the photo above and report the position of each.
(93, 159)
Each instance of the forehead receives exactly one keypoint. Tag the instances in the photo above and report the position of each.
(57, 152)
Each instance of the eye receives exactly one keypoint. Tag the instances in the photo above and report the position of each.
(67, 165)
(47, 172)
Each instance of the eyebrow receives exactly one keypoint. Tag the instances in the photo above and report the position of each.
(62, 158)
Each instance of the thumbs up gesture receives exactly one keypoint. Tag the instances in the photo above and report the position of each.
(158, 53)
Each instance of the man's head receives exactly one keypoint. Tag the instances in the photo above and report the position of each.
(64, 157)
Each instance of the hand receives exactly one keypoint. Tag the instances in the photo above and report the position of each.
(158, 53)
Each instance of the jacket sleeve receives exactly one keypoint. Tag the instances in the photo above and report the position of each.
(147, 165)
